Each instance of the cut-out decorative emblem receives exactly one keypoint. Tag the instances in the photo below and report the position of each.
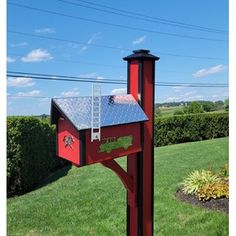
(68, 141)
(111, 143)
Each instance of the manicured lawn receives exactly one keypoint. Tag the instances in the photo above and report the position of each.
(92, 201)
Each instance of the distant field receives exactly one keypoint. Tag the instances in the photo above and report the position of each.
(92, 201)
(169, 111)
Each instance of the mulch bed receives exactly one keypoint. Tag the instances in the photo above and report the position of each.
(221, 204)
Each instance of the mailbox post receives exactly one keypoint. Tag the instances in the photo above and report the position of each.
(141, 84)
(126, 129)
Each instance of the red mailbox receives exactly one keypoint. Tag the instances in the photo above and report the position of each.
(124, 130)
(121, 118)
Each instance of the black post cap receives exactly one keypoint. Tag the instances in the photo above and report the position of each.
(141, 54)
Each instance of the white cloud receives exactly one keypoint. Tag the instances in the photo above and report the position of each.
(37, 55)
(71, 93)
(19, 82)
(92, 75)
(90, 41)
(45, 100)
(33, 93)
(72, 45)
(44, 31)
(119, 91)
(22, 44)
(89, 75)
(139, 40)
(197, 97)
(11, 59)
(184, 97)
(172, 99)
(212, 70)
(179, 88)
(188, 93)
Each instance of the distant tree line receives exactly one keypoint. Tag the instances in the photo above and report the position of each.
(194, 107)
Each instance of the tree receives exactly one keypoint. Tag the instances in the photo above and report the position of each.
(226, 104)
(195, 107)
(158, 112)
(178, 112)
(208, 106)
(219, 105)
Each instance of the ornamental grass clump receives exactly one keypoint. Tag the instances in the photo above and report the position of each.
(197, 179)
(224, 172)
(213, 191)
(206, 185)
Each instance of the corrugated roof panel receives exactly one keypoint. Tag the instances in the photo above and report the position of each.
(115, 110)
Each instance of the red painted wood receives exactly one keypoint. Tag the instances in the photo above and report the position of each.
(134, 76)
(67, 152)
(92, 148)
(132, 220)
(141, 86)
(121, 173)
(148, 103)
(133, 211)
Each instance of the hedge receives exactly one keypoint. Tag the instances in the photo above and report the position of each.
(188, 128)
(31, 144)
(31, 153)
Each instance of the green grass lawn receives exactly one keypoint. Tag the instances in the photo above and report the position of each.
(92, 201)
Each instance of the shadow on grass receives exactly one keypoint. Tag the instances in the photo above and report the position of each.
(55, 176)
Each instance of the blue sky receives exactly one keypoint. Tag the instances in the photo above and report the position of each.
(40, 55)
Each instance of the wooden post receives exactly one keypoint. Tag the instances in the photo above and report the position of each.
(140, 166)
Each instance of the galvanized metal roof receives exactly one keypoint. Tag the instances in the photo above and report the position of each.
(115, 110)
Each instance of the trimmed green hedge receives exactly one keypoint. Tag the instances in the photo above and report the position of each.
(31, 144)
(31, 153)
(188, 128)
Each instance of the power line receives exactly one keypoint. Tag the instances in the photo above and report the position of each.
(110, 47)
(105, 65)
(152, 17)
(76, 62)
(66, 78)
(143, 17)
(112, 24)
(25, 96)
(109, 65)
(67, 40)
(62, 76)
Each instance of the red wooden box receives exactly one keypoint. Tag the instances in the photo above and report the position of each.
(121, 124)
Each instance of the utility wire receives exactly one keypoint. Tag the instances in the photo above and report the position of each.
(110, 47)
(103, 65)
(62, 76)
(112, 24)
(66, 40)
(25, 96)
(76, 62)
(146, 18)
(65, 78)
(95, 80)
(153, 18)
